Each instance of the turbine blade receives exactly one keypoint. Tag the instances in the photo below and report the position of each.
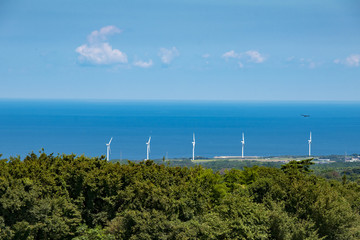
(110, 140)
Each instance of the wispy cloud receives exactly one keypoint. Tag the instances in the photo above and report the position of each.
(249, 56)
(255, 56)
(167, 55)
(304, 62)
(289, 59)
(352, 61)
(98, 50)
(144, 64)
(102, 34)
(206, 55)
(308, 63)
(231, 54)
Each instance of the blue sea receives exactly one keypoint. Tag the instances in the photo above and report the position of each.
(271, 128)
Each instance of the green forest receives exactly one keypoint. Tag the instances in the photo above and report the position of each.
(44, 196)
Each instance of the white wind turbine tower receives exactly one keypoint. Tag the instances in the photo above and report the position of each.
(193, 143)
(243, 145)
(148, 149)
(310, 145)
(108, 150)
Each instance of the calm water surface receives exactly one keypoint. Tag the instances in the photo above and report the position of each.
(271, 128)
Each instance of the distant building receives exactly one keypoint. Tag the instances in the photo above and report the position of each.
(353, 159)
(322, 161)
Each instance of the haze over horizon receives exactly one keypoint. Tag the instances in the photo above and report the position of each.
(180, 50)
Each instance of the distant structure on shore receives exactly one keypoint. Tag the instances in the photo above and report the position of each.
(193, 143)
(148, 149)
(352, 159)
(243, 145)
(310, 145)
(239, 157)
(108, 150)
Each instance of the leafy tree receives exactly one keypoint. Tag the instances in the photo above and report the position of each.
(296, 167)
(76, 197)
(97, 233)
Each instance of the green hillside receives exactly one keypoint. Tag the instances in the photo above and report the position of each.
(75, 197)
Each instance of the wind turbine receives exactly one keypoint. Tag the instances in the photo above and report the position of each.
(148, 148)
(243, 145)
(310, 145)
(108, 150)
(193, 143)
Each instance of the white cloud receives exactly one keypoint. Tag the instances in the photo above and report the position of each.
(101, 35)
(101, 54)
(249, 56)
(167, 55)
(98, 50)
(143, 64)
(255, 56)
(206, 55)
(231, 54)
(289, 59)
(309, 63)
(353, 60)
(303, 62)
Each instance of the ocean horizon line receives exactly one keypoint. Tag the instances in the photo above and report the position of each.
(100, 100)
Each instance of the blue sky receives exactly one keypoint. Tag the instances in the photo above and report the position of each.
(180, 50)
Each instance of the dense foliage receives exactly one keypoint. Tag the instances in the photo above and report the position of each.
(69, 197)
